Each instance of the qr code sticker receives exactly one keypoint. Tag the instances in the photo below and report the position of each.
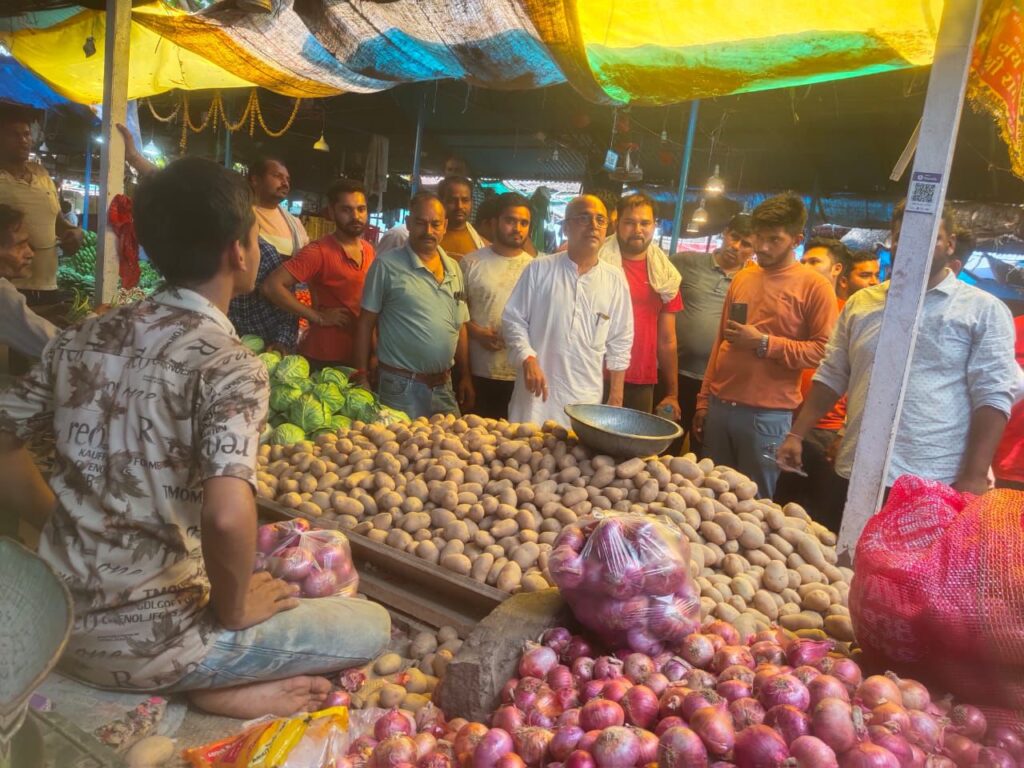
(924, 192)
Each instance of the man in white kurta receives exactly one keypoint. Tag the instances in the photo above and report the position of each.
(568, 318)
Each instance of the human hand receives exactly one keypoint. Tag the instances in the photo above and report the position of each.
(698, 423)
(976, 484)
(672, 405)
(130, 150)
(490, 338)
(266, 597)
(791, 453)
(534, 376)
(71, 240)
(742, 336)
(615, 398)
(339, 316)
(465, 394)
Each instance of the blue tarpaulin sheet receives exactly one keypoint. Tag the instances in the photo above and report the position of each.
(19, 86)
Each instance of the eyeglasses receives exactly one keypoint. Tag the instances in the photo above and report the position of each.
(587, 218)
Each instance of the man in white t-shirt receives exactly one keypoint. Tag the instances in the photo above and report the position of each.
(20, 327)
(490, 274)
(271, 184)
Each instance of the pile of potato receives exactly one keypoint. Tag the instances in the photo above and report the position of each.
(486, 499)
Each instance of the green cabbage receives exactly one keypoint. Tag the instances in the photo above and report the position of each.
(282, 397)
(330, 395)
(340, 422)
(255, 343)
(271, 360)
(361, 405)
(390, 416)
(309, 413)
(287, 434)
(292, 369)
(333, 376)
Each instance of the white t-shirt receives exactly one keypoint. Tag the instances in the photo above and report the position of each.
(20, 327)
(490, 278)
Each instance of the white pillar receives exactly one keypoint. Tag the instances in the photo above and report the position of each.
(927, 192)
(115, 106)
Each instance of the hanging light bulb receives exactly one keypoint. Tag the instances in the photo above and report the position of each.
(700, 218)
(715, 185)
(321, 145)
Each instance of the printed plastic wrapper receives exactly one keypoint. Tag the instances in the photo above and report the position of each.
(317, 740)
(319, 561)
(627, 578)
(938, 593)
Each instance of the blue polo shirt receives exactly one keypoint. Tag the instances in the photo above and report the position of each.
(419, 318)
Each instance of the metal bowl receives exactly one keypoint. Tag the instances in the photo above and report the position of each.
(621, 431)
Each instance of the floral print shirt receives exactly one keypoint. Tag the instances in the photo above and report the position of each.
(146, 402)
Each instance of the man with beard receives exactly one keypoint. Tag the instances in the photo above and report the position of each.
(654, 291)
(335, 268)
(491, 273)
(960, 386)
(567, 319)
(776, 320)
(460, 238)
(415, 299)
(271, 184)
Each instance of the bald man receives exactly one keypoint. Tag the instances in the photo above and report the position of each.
(569, 318)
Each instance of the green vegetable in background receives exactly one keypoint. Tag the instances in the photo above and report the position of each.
(333, 376)
(287, 434)
(361, 405)
(292, 369)
(255, 343)
(283, 397)
(271, 360)
(340, 422)
(309, 413)
(330, 395)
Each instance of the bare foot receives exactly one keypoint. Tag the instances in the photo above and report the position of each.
(280, 698)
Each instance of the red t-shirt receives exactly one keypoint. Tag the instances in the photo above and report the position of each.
(334, 281)
(835, 419)
(1008, 463)
(647, 306)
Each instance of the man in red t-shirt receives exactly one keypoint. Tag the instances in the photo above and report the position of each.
(654, 290)
(1008, 464)
(335, 269)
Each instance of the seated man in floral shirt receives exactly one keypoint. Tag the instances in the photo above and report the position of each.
(157, 409)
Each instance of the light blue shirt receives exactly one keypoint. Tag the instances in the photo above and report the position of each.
(419, 318)
(963, 360)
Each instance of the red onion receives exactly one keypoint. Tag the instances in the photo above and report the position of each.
(591, 689)
(352, 679)
(899, 746)
(832, 722)
(939, 761)
(607, 667)
(508, 690)
(968, 721)
(509, 718)
(805, 674)
(319, 583)
(468, 736)
(714, 726)
(675, 669)
(808, 652)
(959, 747)
(672, 620)
(571, 536)
(843, 668)
(266, 539)
(391, 723)
(737, 672)
(560, 676)
(430, 719)
(699, 678)
(731, 690)
(671, 701)
(640, 704)
(729, 655)
(765, 672)
(616, 747)
(598, 714)
(648, 752)
(337, 699)
(784, 689)
(642, 641)
(915, 695)
(1006, 739)
(776, 635)
(579, 759)
(511, 760)
(577, 648)
(827, 687)
(291, 564)
(615, 688)
(524, 698)
(394, 751)
(868, 755)
(564, 741)
(790, 722)
(556, 638)
(994, 757)
(695, 700)
(697, 650)
(746, 712)
(569, 717)
(893, 715)
(587, 740)
(672, 721)
(582, 669)
(941, 707)
(759, 747)
(425, 744)
(637, 667)
(766, 651)
(812, 752)
(567, 698)
(434, 760)
(680, 747)
(496, 744)
(924, 730)
(537, 661)
(531, 745)
(717, 641)
(539, 719)
(724, 630)
(657, 682)
(879, 688)
(362, 747)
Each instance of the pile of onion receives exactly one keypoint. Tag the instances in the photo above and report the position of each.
(319, 561)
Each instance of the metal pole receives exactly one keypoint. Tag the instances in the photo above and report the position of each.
(420, 116)
(88, 179)
(115, 110)
(942, 109)
(227, 148)
(684, 171)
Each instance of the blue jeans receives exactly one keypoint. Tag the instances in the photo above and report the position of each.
(319, 636)
(746, 439)
(414, 397)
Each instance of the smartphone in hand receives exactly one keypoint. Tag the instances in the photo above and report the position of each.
(738, 313)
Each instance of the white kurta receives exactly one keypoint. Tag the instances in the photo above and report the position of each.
(575, 325)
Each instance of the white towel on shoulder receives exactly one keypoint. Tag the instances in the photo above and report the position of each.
(661, 274)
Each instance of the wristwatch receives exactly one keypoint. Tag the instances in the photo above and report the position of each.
(762, 347)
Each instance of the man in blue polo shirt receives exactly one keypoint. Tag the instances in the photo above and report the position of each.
(415, 298)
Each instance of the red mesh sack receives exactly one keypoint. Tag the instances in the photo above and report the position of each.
(627, 578)
(938, 592)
